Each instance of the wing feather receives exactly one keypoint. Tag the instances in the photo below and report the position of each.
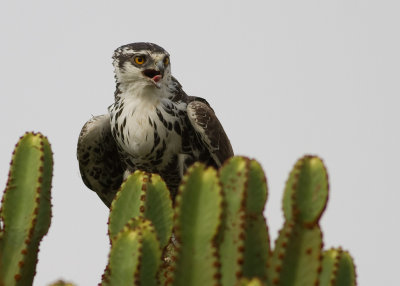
(99, 162)
(210, 130)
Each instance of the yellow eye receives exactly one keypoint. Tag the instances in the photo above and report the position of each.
(166, 61)
(139, 60)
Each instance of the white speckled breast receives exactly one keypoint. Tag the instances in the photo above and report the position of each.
(144, 129)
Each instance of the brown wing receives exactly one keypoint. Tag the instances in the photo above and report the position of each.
(99, 162)
(210, 130)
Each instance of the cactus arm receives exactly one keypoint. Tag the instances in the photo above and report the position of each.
(158, 208)
(146, 195)
(198, 208)
(243, 239)
(256, 244)
(26, 209)
(306, 191)
(233, 175)
(296, 257)
(124, 259)
(135, 255)
(337, 268)
(150, 260)
(126, 203)
(329, 267)
(346, 275)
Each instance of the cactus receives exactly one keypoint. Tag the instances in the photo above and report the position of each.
(135, 255)
(243, 239)
(142, 198)
(220, 234)
(257, 245)
(306, 191)
(233, 177)
(216, 233)
(197, 218)
(145, 195)
(26, 209)
(296, 259)
(304, 200)
(337, 268)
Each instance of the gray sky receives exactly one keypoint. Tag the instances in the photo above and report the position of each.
(285, 78)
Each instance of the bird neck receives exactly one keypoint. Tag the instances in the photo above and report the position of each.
(140, 90)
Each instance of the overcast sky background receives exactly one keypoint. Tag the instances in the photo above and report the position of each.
(286, 78)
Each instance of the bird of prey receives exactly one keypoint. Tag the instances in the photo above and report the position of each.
(153, 126)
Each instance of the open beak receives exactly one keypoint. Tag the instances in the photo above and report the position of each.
(155, 75)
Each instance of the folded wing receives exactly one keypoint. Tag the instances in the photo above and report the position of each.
(99, 162)
(209, 130)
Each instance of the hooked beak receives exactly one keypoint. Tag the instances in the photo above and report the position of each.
(160, 67)
(155, 75)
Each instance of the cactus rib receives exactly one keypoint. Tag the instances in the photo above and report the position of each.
(306, 191)
(135, 255)
(296, 257)
(337, 268)
(26, 209)
(256, 244)
(197, 216)
(146, 195)
(233, 175)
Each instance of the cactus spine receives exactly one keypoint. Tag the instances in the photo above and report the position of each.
(26, 209)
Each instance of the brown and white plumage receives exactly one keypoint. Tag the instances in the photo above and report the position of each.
(99, 163)
(153, 125)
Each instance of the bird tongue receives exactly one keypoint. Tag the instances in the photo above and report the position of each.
(156, 78)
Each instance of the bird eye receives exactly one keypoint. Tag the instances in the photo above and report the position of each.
(140, 60)
(166, 61)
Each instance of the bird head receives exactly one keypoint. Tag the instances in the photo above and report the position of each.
(143, 64)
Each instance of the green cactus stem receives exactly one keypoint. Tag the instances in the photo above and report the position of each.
(337, 268)
(146, 195)
(150, 260)
(243, 237)
(198, 208)
(26, 209)
(233, 175)
(256, 244)
(296, 257)
(306, 191)
(123, 264)
(135, 255)
(220, 234)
